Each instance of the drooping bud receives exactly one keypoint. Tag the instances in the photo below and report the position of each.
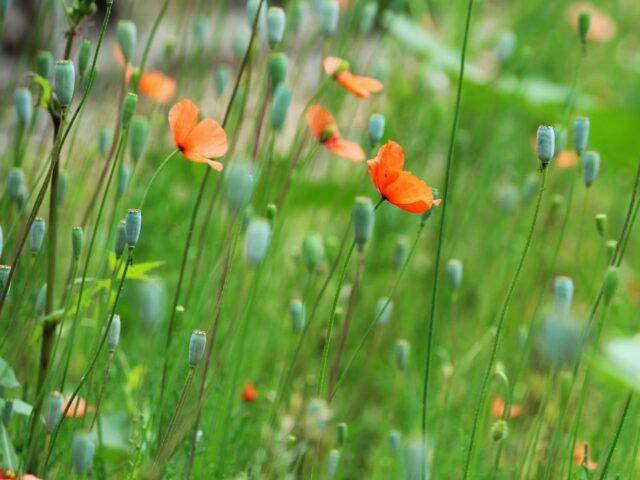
(362, 216)
(113, 335)
(275, 25)
(601, 223)
(580, 134)
(584, 22)
(383, 310)
(120, 240)
(312, 252)
(65, 82)
(222, 75)
(610, 284)
(278, 67)
(332, 463)
(454, 273)
(272, 212)
(499, 430)
(133, 225)
(44, 62)
(82, 453)
(590, 167)
(402, 354)
(77, 240)
(84, 54)
(545, 144)
(196, 347)
(128, 108)
(257, 242)
(376, 128)
(36, 236)
(53, 412)
(24, 106)
(238, 181)
(329, 16)
(104, 141)
(139, 135)
(127, 35)
(280, 106)
(563, 290)
(342, 431)
(297, 313)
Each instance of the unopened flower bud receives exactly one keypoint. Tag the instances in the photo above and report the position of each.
(563, 290)
(312, 252)
(196, 347)
(402, 354)
(53, 412)
(24, 106)
(590, 167)
(499, 430)
(222, 75)
(257, 242)
(123, 180)
(610, 249)
(395, 438)
(133, 225)
(580, 134)
(376, 128)
(332, 462)
(139, 135)
(127, 35)
(77, 240)
(238, 181)
(84, 54)
(454, 273)
(63, 186)
(272, 212)
(584, 22)
(252, 11)
(362, 215)
(128, 108)
(368, 17)
(65, 78)
(36, 236)
(297, 313)
(113, 335)
(610, 284)
(545, 144)
(601, 223)
(280, 106)
(275, 25)
(342, 431)
(44, 62)
(277, 67)
(104, 141)
(120, 240)
(329, 16)
(383, 310)
(82, 453)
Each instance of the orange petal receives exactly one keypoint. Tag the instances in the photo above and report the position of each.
(319, 120)
(217, 166)
(78, 407)
(567, 159)
(390, 160)
(578, 456)
(183, 117)
(208, 139)
(331, 64)
(157, 86)
(409, 193)
(349, 150)
(361, 87)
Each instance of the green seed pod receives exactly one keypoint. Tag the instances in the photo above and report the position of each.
(332, 463)
(601, 223)
(383, 310)
(238, 181)
(123, 180)
(4, 276)
(277, 67)
(610, 249)
(581, 127)
(240, 43)
(63, 186)
(53, 412)
(65, 82)
(84, 55)
(168, 47)
(545, 144)
(44, 61)
(590, 167)
(275, 25)
(132, 226)
(402, 354)
(104, 141)
(584, 22)
(77, 241)
(280, 106)
(499, 431)
(113, 335)
(82, 453)
(200, 27)
(342, 432)
(222, 75)
(297, 313)
(368, 17)
(329, 17)
(312, 252)
(610, 284)
(454, 273)
(376, 128)
(258, 237)
(395, 438)
(127, 35)
(362, 216)
(252, 11)
(24, 106)
(196, 347)
(563, 291)
(120, 240)
(139, 135)
(36, 236)
(128, 108)
(400, 252)
(272, 212)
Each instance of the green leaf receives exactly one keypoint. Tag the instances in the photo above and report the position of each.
(45, 86)
(19, 407)
(9, 457)
(7, 376)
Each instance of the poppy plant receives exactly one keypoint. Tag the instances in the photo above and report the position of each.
(579, 459)
(153, 84)
(361, 87)
(198, 141)
(399, 187)
(249, 393)
(8, 474)
(325, 130)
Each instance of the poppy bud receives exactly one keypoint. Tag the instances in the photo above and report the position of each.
(329, 16)
(44, 61)
(247, 216)
(104, 141)
(150, 302)
(238, 182)
(610, 249)
(128, 108)
(509, 197)
(400, 252)
(558, 340)
(383, 310)
(297, 312)
(123, 180)
(200, 27)
(376, 128)
(252, 11)
(113, 335)
(4, 276)
(425, 216)
(610, 284)
(280, 106)
(53, 412)
(132, 226)
(196, 347)
(505, 46)
(394, 440)
(65, 77)
(82, 453)
(258, 237)
(580, 134)
(584, 22)
(272, 212)
(120, 240)
(530, 188)
(415, 459)
(240, 43)
(127, 35)
(332, 462)
(77, 240)
(368, 17)
(275, 25)
(454, 273)
(590, 167)
(312, 252)
(342, 432)
(139, 135)
(277, 66)
(601, 223)
(545, 144)
(402, 354)
(362, 215)
(36, 236)
(222, 76)
(84, 54)
(296, 14)
(499, 430)
(24, 106)
(563, 290)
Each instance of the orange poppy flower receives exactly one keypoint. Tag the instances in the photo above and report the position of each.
(361, 87)
(397, 186)
(8, 474)
(578, 456)
(78, 407)
(567, 159)
(498, 406)
(153, 84)
(198, 141)
(249, 393)
(325, 130)
(602, 27)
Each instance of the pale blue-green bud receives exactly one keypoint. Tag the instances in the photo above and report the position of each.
(239, 180)
(332, 463)
(329, 16)
(402, 354)
(44, 62)
(65, 82)
(362, 216)
(77, 241)
(558, 340)
(376, 128)
(400, 252)
(297, 313)
(312, 252)
(63, 186)
(104, 141)
(82, 452)
(84, 54)
(36, 236)
(280, 106)
(196, 347)
(545, 144)
(222, 75)
(127, 35)
(113, 335)
(275, 25)
(139, 135)
(133, 225)
(580, 134)
(257, 242)
(368, 17)
(120, 240)
(383, 310)
(24, 106)
(454, 273)
(395, 437)
(53, 412)
(200, 27)
(563, 291)
(505, 46)
(240, 42)
(123, 180)
(40, 300)
(128, 108)
(590, 167)
(252, 11)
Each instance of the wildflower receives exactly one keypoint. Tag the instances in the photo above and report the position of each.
(324, 129)
(401, 188)
(579, 456)
(78, 407)
(199, 142)
(602, 28)
(153, 84)
(249, 393)
(566, 159)
(361, 87)
(498, 409)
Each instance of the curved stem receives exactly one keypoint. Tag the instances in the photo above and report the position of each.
(155, 175)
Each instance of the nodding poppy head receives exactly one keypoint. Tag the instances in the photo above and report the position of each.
(361, 87)
(249, 393)
(324, 129)
(334, 65)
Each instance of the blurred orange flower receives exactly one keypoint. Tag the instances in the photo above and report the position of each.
(8, 474)
(325, 130)
(78, 407)
(198, 141)
(249, 393)
(578, 456)
(361, 87)
(498, 406)
(567, 159)
(153, 84)
(401, 188)
(602, 29)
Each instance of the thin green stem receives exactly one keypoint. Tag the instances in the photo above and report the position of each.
(616, 436)
(155, 175)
